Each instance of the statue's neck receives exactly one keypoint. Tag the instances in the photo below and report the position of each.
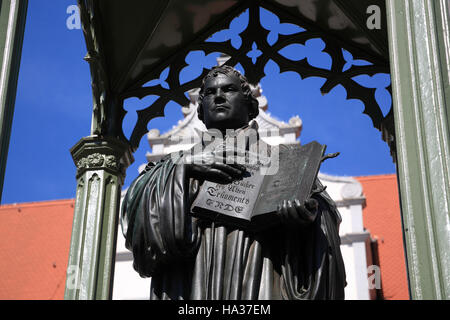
(234, 132)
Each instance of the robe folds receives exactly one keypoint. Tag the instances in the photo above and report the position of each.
(190, 258)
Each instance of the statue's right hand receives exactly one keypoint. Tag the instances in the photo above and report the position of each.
(214, 167)
(215, 172)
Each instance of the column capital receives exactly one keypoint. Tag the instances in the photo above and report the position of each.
(102, 153)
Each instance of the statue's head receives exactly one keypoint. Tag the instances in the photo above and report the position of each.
(226, 100)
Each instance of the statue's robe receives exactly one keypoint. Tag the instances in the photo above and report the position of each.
(191, 258)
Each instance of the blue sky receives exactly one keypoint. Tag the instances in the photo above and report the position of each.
(54, 103)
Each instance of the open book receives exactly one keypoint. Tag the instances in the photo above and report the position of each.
(252, 202)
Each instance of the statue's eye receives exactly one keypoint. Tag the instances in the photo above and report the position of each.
(209, 91)
(230, 88)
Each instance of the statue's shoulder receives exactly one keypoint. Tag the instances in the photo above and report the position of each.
(152, 164)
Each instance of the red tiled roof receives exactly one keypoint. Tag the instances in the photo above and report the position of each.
(35, 249)
(382, 219)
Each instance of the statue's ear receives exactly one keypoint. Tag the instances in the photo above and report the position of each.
(200, 111)
(254, 106)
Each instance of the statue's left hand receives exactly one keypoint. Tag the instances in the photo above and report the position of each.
(294, 212)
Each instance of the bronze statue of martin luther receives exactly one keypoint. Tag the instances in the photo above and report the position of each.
(194, 258)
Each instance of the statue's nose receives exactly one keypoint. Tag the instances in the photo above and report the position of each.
(219, 97)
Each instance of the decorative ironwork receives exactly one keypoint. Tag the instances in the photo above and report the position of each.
(98, 161)
(253, 48)
(107, 154)
(95, 57)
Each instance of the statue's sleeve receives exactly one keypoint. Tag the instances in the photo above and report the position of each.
(155, 220)
(312, 265)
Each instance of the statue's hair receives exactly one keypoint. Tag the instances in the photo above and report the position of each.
(253, 109)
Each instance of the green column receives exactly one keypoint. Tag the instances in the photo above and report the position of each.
(12, 26)
(420, 68)
(101, 165)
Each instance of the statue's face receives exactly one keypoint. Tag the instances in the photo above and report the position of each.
(224, 104)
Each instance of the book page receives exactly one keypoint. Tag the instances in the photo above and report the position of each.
(236, 199)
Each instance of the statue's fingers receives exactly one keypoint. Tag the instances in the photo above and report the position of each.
(232, 171)
(292, 211)
(305, 215)
(284, 211)
(279, 212)
(312, 204)
(219, 176)
(240, 167)
(231, 160)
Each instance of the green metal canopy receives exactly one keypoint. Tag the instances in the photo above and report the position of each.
(140, 35)
(134, 41)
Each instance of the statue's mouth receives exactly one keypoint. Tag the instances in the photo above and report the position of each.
(221, 107)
